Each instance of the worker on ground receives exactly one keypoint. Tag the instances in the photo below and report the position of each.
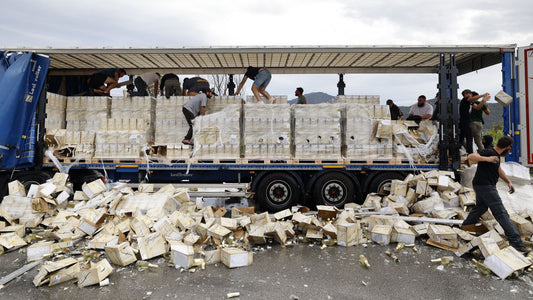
(145, 81)
(476, 116)
(193, 86)
(484, 183)
(170, 85)
(300, 94)
(193, 108)
(421, 110)
(465, 135)
(261, 78)
(395, 112)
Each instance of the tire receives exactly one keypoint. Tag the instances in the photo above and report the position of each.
(383, 179)
(277, 191)
(334, 189)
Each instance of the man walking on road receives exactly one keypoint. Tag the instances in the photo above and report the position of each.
(484, 182)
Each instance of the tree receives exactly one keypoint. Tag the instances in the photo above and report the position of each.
(220, 82)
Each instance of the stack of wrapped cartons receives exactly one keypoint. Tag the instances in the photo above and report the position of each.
(217, 103)
(363, 140)
(317, 131)
(358, 99)
(55, 111)
(267, 131)
(171, 126)
(86, 112)
(217, 136)
(279, 99)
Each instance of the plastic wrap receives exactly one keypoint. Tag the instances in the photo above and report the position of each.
(267, 131)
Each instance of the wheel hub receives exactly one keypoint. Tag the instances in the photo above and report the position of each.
(333, 192)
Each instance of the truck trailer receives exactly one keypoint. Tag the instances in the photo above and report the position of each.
(277, 181)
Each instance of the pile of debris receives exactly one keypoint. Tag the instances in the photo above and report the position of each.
(84, 233)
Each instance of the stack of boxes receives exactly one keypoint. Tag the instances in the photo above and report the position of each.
(171, 126)
(317, 131)
(362, 124)
(279, 99)
(218, 135)
(358, 99)
(218, 103)
(55, 112)
(267, 131)
(84, 116)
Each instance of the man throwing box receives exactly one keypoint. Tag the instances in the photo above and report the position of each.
(484, 182)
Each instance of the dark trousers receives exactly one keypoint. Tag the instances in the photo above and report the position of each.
(189, 117)
(466, 133)
(487, 197)
(141, 87)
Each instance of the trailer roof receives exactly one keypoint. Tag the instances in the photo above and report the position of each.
(278, 59)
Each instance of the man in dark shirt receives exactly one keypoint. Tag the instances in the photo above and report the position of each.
(484, 183)
(395, 112)
(261, 78)
(464, 119)
(170, 85)
(193, 86)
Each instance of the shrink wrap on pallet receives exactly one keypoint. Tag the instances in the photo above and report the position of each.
(267, 131)
(217, 136)
(317, 131)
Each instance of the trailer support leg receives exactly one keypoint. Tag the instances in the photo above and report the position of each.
(448, 106)
(231, 85)
(341, 85)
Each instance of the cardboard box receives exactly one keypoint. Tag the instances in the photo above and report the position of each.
(93, 188)
(121, 254)
(16, 188)
(152, 245)
(235, 257)
(403, 235)
(381, 234)
(93, 273)
(506, 261)
(218, 231)
(256, 234)
(280, 215)
(182, 255)
(348, 234)
(503, 98)
(326, 212)
(50, 267)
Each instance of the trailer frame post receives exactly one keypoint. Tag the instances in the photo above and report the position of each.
(448, 114)
(231, 86)
(341, 85)
(511, 113)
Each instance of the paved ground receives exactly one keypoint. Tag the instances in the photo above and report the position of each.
(300, 271)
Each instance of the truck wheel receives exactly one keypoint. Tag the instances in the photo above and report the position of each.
(277, 191)
(382, 180)
(335, 189)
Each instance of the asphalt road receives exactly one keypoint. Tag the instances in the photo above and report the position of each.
(301, 271)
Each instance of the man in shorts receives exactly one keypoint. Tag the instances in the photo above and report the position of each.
(261, 78)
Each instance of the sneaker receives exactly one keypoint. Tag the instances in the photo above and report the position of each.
(522, 249)
(187, 142)
(273, 101)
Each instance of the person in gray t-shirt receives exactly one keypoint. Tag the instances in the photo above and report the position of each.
(193, 108)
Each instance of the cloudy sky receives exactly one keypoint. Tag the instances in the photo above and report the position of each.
(177, 23)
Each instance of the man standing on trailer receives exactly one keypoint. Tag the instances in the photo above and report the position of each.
(300, 94)
(193, 108)
(465, 120)
(476, 115)
(261, 78)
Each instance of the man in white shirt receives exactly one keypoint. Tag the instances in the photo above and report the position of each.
(145, 81)
(421, 110)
